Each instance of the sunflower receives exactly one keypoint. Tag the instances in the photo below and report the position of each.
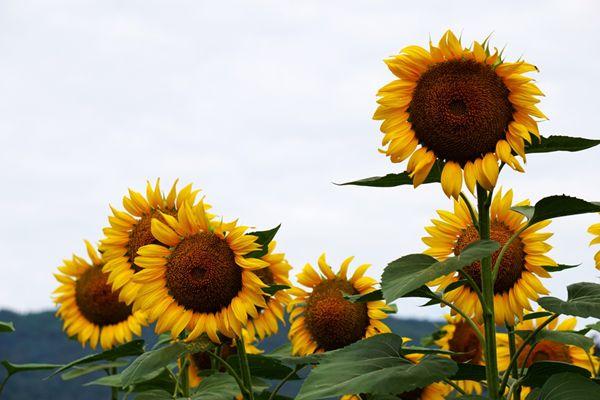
(459, 337)
(130, 229)
(545, 350)
(464, 106)
(276, 273)
(199, 278)
(322, 320)
(89, 308)
(517, 281)
(595, 230)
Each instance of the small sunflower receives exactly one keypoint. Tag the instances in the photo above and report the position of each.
(130, 229)
(276, 273)
(595, 230)
(88, 306)
(464, 106)
(459, 337)
(322, 320)
(517, 281)
(199, 278)
(546, 350)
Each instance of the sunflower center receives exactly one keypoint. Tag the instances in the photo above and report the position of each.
(465, 341)
(202, 274)
(513, 261)
(545, 350)
(460, 109)
(334, 322)
(141, 235)
(96, 300)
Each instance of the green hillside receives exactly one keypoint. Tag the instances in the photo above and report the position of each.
(39, 338)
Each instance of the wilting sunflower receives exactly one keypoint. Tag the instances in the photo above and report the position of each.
(130, 229)
(546, 350)
(595, 230)
(459, 337)
(464, 106)
(322, 319)
(276, 273)
(199, 278)
(517, 281)
(88, 306)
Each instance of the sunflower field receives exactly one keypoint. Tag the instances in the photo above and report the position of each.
(212, 288)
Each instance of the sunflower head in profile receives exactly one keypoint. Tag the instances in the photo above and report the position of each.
(546, 350)
(595, 230)
(276, 273)
(464, 106)
(517, 282)
(322, 319)
(91, 311)
(458, 336)
(130, 229)
(199, 277)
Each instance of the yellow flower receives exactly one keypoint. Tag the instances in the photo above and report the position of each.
(465, 106)
(322, 319)
(517, 281)
(595, 230)
(459, 337)
(130, 229)
(89, 308)
(199, 278)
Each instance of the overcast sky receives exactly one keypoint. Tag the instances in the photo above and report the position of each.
(262, 104)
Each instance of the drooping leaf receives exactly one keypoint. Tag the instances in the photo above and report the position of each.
(133, 348)
(559, 267)
(12, 368)
(411, 272)
(375, 295)
(263, 239)
(393, 180)
(6, 327)
(569, 386)
(583, 301)
(539, 372)
(456, 285)
(218, 386)
(559, 143)
(537, 314)
(595, 326)
(76, 372)
(374, 365)
(151, 361)
(155, 395)
(272, 289)
(263, 367)
(556, 206)
(469, 372)
(565, 337)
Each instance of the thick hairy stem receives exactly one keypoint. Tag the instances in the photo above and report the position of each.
(244, 367)
(487, 289)
(515, 368)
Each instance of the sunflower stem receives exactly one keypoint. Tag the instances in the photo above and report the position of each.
(455, 386)
(466, 318)
(487, 289)
(471, 211)
(230, 370)
(184, 377)
(512, 345)
(244, 367)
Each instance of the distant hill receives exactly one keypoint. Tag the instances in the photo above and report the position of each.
(39, 338)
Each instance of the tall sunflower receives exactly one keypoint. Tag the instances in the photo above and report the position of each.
(130, 229)
(321, 319)
(200, 277)
(595, 230)
(88, 306)
(459, 337)
(465, 106)
(276, 273)
(517, 281)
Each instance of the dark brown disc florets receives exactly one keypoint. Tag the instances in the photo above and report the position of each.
(141, 235)
(545, 350)
(465, 341)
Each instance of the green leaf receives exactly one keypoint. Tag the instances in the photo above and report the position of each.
(374, 365)
(156, 394)
(537, 314)
(539, 372)
(469, 372)
(263, 367)
(263, 239)
(218, 386)
(133, 348)
(76, 372)
(455, 285)
(564, 337)
(410, 272)
(12, 369)
(559, 143)
(272, 289)
(595, 326)
(393, 180)
(569, 386)
(109, 380)
(556, 206)
(559, 267)
(6, 327)
(375, 295)
(152, 361)
(583, 301)
(424, 350)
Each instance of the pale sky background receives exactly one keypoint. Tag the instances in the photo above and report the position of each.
(262, 104)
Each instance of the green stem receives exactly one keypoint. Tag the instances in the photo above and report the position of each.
(4, 383)
(487, 289)
(512, 345)
(468, 319)
(230, 370)
(244, 366)
(284, 380)
(114, 395)
(184, 377)
(473, 285)
(515, 389)
(471, 211)
(455, 386)
(515, 357)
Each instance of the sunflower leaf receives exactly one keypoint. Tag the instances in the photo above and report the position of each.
(375, 295)
(583, 301)
(539, 372)
(556, 206)
(272, 289)
(569, 386)
(12, 369)
(469, 372)
(374, 365)
(76, 372)
(393, 180)
(264, 367)
(409, 273)
(218, 386)
(151, 361)
(559, 267)
(537, 314)
(263, 239)
(565, 337)
(559, 143)
(6, 327)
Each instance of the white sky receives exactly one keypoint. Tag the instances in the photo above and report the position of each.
(262, 104)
